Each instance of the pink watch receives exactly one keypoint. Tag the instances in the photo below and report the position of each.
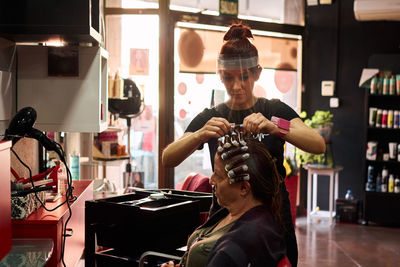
(282, 124)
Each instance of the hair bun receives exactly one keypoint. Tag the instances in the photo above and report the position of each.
(237, 32)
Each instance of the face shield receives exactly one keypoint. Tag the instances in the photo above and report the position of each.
(238, 75)
(236, 63)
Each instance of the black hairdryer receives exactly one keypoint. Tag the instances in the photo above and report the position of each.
(22, 125)
(129, 106)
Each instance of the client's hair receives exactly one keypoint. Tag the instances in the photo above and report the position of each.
(249, 160)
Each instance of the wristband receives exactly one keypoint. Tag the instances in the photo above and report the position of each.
(282, 125)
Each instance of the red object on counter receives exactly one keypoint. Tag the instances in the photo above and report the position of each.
(44, 224)
(52, 172)
(5, 198)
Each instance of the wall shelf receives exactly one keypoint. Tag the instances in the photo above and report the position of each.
(381, 207)
(64, 104)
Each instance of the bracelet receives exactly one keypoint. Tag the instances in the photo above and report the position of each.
(282, 125)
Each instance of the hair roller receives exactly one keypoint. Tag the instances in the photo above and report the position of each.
(234, 139)
(233, 152)
(238, 170)
(227, 143)
(220, 147)
(235, 160)
(244, 177)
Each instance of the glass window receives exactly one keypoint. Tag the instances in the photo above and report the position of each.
(278, 11)
(132, 3)
(197, 86)
(132, 43)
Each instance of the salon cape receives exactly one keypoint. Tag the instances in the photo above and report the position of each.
(255, 239)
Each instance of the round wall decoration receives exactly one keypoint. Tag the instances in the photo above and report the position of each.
(190, 48)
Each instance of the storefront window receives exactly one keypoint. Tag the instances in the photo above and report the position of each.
(131, 4)
(277, 11)
(132, 42)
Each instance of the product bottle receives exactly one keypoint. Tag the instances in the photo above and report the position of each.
(398, 84)
(385, 89)
(74, 165)
(384, 118)
(398, 152)
(385, 174)
(378, 118)
(391, 184)
(390, 119)
(397, 185)
(396, 118)
(392, 85)
(379, 183)
(379, 84)
(374, 82)
(349, 195)
(370, 185)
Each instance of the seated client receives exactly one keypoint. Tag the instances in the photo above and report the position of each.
(247, 230)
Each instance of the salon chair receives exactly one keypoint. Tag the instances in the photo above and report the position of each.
(284, 262)
(197, 182)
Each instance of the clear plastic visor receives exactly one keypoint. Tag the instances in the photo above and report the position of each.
(237, 63)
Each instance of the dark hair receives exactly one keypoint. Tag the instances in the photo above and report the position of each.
(264, 179)
(237, 42)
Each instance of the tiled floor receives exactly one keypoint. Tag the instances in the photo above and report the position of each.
(347, 245)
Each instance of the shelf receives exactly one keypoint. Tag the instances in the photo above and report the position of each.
(96, 162)
(381, 207)
(111, 129)
(111, 158)
(97, 155)
(382, 194)
(63, 103)
(385, 96)
(383, 129)
(390, 162)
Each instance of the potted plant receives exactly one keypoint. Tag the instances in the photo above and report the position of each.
(322, 122)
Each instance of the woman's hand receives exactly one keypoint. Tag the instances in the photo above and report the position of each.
(178, 151)
(214, 128)
(170, 264)
(256, 123)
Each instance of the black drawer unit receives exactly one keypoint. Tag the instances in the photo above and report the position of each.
(130, 224)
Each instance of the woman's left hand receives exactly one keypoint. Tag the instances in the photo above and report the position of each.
(256, 123)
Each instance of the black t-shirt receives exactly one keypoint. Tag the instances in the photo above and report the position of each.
(266, 107)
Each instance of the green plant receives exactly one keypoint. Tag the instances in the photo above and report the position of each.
(322, 122)
(319, 119)
(303, 158)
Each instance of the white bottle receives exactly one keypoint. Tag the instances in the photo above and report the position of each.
(397, 185)
(385, 174)
(74, 165)
(391, 184)
(349, 195)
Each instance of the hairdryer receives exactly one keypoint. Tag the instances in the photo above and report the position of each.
(22, 125)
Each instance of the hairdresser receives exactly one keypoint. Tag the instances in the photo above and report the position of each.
(238, 68)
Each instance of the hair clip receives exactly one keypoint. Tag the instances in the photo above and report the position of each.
(227, 144)
(234, 139)
(220, 145)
